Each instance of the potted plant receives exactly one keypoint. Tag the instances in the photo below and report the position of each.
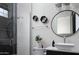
(38, 39)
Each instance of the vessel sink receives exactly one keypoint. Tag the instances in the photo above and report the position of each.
(64, 46)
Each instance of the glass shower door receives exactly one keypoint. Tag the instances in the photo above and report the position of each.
(7, 29)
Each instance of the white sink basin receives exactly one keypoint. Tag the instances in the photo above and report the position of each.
(64, 46)
(51, 48)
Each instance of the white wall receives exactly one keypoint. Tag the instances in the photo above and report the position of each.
(23, 28)
(49, 10)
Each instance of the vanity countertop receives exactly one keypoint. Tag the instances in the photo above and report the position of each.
(56, 49)
(53, 49)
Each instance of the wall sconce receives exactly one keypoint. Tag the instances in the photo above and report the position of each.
(58, 5)
(44, 19)
(35, 18)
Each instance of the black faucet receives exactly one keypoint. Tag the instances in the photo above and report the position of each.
(53, 43)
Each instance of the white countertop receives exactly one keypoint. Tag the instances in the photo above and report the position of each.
(53, 49)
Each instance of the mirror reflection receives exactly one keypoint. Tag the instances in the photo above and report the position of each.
(65, 23)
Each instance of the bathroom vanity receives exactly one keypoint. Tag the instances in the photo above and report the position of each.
(64, 24)
(60, 51)
(52, 51)
(57, 52)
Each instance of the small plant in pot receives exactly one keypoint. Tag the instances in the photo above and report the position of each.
(38, 39)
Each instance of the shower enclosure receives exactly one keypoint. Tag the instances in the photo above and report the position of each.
(7, 28)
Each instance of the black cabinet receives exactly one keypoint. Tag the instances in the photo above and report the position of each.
(53, 52)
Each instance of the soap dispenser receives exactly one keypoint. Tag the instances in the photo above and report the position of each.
(53, 43)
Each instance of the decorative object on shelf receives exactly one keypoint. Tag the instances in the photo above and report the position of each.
(58, 5)
(35, 18)
(44, 19)
(38, 39)
(66, 4)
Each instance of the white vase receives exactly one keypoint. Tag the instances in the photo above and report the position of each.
(39, 44)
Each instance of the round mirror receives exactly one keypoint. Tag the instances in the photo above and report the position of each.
(65, 23)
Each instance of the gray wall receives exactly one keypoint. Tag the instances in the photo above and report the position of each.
(48, 36)
(23, 28)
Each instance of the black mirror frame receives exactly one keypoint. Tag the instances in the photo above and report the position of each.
(56, 15)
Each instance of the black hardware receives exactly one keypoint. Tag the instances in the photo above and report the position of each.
(44, 19)
(35, 18)
(53, 43)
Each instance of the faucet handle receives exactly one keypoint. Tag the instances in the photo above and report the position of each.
(53, 43)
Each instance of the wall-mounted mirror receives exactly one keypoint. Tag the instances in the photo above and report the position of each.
(65, 23)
